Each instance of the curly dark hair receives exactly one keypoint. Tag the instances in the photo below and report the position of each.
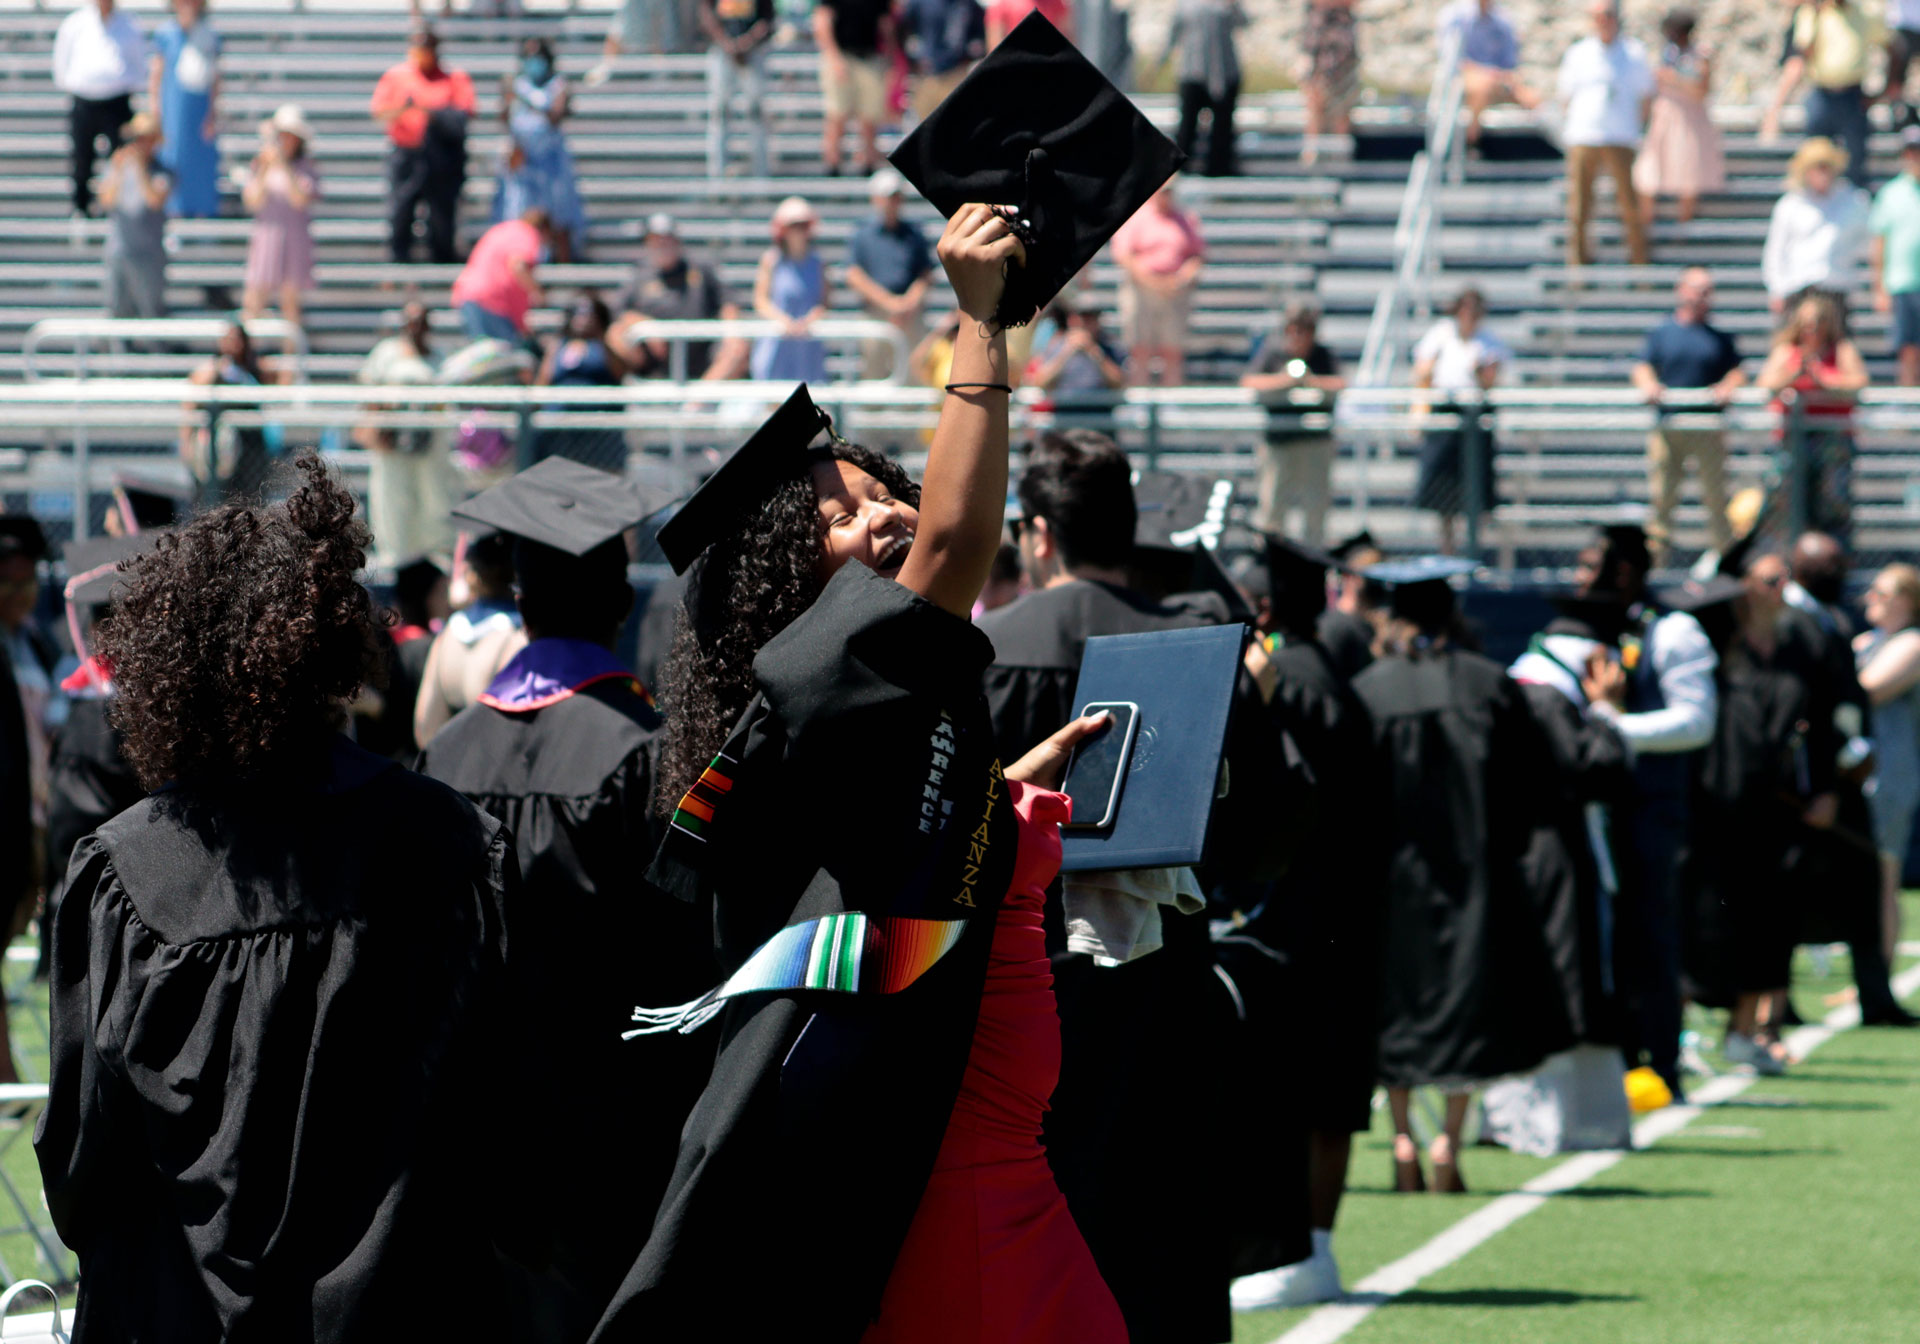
(236, 640)
(749, 586)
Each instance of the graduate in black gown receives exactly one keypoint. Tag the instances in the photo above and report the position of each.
(280, 998)
(561, 748)
(1569, 668)
(90, 779)
(1347, 627)
(1137, 1066)
(829, 778)
(1470, 992)
(1324, 915)
(1767, 776)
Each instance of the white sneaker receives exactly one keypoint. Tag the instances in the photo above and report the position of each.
(1743, 1051)
(1315, 1279)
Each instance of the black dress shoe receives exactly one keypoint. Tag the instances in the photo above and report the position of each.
(1894, 1016)
(1791, 1017)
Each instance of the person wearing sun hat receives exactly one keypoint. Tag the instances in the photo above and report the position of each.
(1819, 228)
(133, 192)
(790, 287)
(280, 189)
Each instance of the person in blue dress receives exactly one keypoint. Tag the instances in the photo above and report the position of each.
(183, 82)
(538, 170)
(791, 288)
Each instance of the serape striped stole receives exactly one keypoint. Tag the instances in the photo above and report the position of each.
(852, 953)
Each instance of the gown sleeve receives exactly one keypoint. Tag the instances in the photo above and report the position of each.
(74, 1140)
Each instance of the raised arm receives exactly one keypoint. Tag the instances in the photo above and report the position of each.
(963, 497)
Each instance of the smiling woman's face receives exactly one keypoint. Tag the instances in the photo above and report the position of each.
(862, 520)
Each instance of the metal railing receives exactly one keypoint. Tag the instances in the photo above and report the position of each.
(682, 332)
(1416, 234)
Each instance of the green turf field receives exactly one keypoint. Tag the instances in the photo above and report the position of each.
(1789, 1215)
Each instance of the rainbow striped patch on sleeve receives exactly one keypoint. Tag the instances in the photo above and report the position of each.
(697, 806)
(849, 954)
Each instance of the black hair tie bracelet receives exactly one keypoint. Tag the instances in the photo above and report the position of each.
(982, 387)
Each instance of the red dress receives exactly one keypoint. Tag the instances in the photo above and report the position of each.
(993, 1254)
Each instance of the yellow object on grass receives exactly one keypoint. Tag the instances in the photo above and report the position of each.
(1647, 1091)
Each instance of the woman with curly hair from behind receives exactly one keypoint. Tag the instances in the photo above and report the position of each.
(279, 980)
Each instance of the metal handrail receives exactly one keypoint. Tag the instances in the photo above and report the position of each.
(83, 330)
(679, 332)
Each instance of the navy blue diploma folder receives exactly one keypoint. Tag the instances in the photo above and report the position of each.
(1183, 681)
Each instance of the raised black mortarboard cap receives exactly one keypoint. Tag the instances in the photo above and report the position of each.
(93, 566)
(561, 503)
(1036, 126)
(1601, 615)
(20, 534)
(775, 453)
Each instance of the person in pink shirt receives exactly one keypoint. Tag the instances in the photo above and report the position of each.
(1161, 251)
(424, 106)
(497, 286)
(1004, 15)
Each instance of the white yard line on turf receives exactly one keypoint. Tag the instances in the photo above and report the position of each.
(1339, 1319)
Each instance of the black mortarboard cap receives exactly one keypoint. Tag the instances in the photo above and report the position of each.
(561, 503)
(93, 566)
(1421, 587)
(1360, 541)
(148, 504)
(20, 534)
(1287, 556)
(1699, 596)
(1735, 559)
(414, 581)
(775, 453)
(1602, 616)
(1036, 126)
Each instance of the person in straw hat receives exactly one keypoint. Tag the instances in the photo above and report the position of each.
(280, 188)
(133, 192)
(1819, 229)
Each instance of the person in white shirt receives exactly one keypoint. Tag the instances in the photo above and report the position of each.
(1819, 231)
(99, 58)
(1605, 88)
(1461, 359)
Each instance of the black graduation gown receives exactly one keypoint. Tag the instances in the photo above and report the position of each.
(862, 778)
(279, 1012)
(573, 783)
(1348, 640)
(1470, 992)
(88, 783)
(16, 795)
(1138, 1068)
(1586, 762)
(1326, 914)
(1773, 750)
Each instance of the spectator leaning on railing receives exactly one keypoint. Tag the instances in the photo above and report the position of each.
(1460, 359)
(1296, 464)
(890, 267)
(1489, 56)
(1605, 86)
(1895, 224)
(1816, 373)
(668, 286)
(99, 59)
(1819, 228)
(1687, 351)
(407, 470)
